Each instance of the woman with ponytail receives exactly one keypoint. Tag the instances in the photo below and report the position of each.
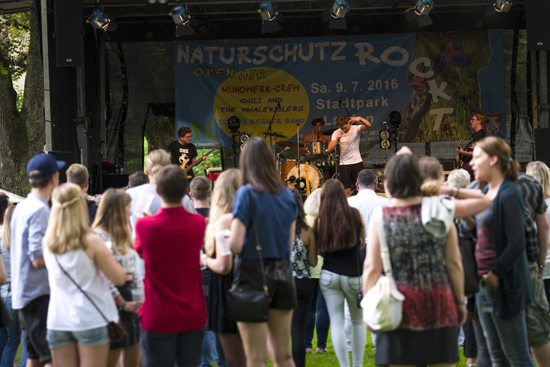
(501, 259)
(472, 201)
(219, 259)
(77, 262)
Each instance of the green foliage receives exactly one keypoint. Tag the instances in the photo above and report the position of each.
(14, 43)
(145, 152)
(214, 160)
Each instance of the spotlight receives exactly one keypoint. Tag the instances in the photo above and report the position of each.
(395, 119)
(100, 22)
(500, 6)
(151, 2)
(183, 21)
(420, 12)
(270, 17)
(163, 2)
(336, 15)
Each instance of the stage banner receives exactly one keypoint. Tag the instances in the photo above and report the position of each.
(434, 80)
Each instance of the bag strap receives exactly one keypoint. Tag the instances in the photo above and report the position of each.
(358, 245)
(80, 289)
(384, 250)
(258, 247)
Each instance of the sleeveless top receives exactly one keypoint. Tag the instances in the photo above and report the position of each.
(298, 259)
(418, 263)
(69, 309)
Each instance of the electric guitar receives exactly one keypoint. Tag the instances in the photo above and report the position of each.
(198, 161)
(460, 161)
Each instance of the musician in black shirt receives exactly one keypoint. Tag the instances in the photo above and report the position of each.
(182, 150)
(478, 118)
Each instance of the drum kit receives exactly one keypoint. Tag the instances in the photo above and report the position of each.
(306, 176)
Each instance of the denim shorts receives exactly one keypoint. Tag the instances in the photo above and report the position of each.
(89, 338)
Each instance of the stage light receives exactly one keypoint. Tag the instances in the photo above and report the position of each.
(151, 2)
(420, 12)
(336, 15)
(183, 21)
(395, 119)
(163, 2)
(99, 22)
(500, 6)
(270, 18)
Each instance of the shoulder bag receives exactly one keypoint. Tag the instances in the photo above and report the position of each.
(383, 303)
(245, 305)
(116, 331)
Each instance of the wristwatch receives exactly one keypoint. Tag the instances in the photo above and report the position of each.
(541, 266)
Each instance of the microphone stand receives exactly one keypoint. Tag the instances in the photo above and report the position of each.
(271, 122)
(341, 103)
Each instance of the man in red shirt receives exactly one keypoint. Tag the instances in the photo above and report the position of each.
(173, 315)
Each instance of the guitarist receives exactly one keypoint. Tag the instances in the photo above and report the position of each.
(478, 118)
(182, 149)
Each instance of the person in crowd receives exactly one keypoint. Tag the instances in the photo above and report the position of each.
(275, 213)
(347, 137)
(316, 135)
(540, 172)
(536, 247)
(472, 201)
(211, 348)
(145, 198)
(341, 275)
(10, 338)
(219, 259)
(137, 178)
(182, 151)
(475, 346)
(78, 174)
(173, 315)
(318, 318)
(81, 305)
(501, 257)
(112, 224)
(365, 201)
(427, 269)
(29, 277)
(303, 255)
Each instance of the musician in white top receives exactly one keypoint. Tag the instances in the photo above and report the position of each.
(348, 137)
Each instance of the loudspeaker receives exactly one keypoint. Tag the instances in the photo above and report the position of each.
(538, 32)
(447, 164)
(542, 148)
(68, 33)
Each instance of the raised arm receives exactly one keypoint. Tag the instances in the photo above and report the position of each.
(472, 201)
(365, 122)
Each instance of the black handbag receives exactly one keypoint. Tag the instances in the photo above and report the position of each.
(467, 250)
(248, 305)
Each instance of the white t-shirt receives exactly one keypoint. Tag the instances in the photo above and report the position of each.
(349, 145)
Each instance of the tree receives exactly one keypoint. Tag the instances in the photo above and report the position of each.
(22, 133)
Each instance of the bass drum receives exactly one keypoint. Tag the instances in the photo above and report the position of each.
(294, 181)
(285, 167)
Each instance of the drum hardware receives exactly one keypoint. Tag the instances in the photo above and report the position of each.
(316, 151)
(289, 144)
(275, 135)
(244, 138)
(298, 181)
(272, 134)
(328, 132)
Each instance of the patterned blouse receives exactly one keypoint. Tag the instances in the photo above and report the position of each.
(418, 264)
(298, 259)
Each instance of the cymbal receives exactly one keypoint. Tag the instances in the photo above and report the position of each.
(290, 144)
(328, 132)
(275, 135)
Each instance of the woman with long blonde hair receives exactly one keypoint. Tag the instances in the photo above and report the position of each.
(219, 259)
(76, 259)
(112, 224)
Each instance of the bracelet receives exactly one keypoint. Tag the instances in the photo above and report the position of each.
(541, 266)
(460, 303)
(204, 262)
(123, 305)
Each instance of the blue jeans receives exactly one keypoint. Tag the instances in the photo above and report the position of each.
(211, 347)
(10, 338)
(506, 338)
(321, 322)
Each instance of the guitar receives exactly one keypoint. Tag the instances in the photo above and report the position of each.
(198, 161)
(460, 161)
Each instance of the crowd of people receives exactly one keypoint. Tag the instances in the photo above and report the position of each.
(164, 261)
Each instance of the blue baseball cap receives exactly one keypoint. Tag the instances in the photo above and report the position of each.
(43, 165)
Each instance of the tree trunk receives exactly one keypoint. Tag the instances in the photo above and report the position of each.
(21, 133)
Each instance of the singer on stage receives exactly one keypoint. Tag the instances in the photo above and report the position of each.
(316, 135)
(348, 137)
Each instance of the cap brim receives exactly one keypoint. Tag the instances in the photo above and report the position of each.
(60, 164)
